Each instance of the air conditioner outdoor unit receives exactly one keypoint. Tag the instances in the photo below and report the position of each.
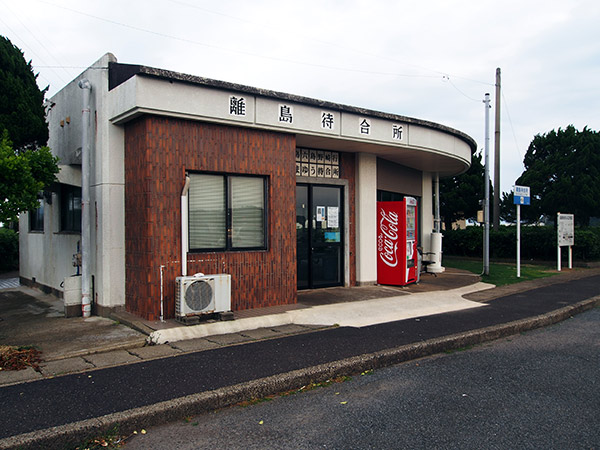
(202, 294)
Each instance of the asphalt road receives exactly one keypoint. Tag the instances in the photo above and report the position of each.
(536, 390)
(66, 399)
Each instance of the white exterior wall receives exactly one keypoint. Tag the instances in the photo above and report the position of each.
(366, 218)
(107, 197)
(47, 257)
(37, 249)
(421, 147)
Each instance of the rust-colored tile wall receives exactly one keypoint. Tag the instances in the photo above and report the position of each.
(158, 151)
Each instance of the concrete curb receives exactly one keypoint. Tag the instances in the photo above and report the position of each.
(177, 409)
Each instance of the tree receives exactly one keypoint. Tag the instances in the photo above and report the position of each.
(460, 195)
(27, 167)
(562, 168)
(21, 101)
(22, 176)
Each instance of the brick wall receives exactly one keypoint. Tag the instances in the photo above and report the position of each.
(158, 151)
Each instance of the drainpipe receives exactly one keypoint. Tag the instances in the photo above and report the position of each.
(437, 220)
(86, 303)
(184, 226)
(435, 265)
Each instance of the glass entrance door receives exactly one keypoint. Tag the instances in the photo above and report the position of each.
(319, 234)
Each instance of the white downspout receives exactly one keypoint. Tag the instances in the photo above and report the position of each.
(86, 303)
(437, 218)
(184, 226)
(436, 236)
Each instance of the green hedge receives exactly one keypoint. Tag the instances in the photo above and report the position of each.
(9, 250)
(537, 243)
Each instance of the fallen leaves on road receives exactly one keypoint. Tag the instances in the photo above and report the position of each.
(19, 358)
(111, 440)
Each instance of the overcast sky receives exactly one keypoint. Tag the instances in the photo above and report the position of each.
(431, 59)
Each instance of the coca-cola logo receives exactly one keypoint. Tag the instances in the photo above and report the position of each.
(387, 240)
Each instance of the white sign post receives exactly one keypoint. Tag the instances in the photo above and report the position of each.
(566, 236)
(522, 196)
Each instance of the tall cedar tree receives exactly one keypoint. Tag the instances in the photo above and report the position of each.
(21, 101)
(460, 195)
(562, 168)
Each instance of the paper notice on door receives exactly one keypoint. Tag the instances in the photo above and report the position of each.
(320, 213)
(333, 213)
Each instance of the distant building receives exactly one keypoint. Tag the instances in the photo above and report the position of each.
(282, 193)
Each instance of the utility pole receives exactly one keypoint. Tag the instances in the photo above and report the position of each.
(496, 220)
(486, 181)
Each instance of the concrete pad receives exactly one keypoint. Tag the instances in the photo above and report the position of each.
(228, 339)
(213, 329)
(291, 329)
(155, 351)
(352, 314)
(18, 376)
(372, 312)
(113, 358)
(63, 366)
(261, 333)
(195, 345)
(33, 318)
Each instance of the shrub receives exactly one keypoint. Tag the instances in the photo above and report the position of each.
(9, 250)
(537, 243)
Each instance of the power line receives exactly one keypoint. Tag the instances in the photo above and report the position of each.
(511, 126)
(24, 44)
(447, 78)
(273, 58)
(38, 41)
(334, 44)
(72, 67)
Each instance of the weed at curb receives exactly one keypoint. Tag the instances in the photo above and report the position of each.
(305, 388)
(461, 349)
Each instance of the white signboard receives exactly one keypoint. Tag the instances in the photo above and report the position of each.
(333, 217)
(566, 230)
(522, 195)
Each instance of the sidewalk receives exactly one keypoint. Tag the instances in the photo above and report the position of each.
(29, 317)
(278, 358)
(32, 318)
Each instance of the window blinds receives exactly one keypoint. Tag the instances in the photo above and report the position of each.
(247, 212)
(207, 211)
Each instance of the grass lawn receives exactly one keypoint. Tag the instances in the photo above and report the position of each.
(500, 273)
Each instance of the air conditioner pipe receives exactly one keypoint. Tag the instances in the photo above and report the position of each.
(86, 303)
(184, 226)
(162, 297)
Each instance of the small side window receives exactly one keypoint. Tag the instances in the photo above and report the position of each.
(36, 218)
(70, 208)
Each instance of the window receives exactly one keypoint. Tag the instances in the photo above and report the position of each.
(36, 218)
(387, 196)
(227, 212)
(70, 208)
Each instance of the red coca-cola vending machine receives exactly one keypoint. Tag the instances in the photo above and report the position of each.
(397, 242)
